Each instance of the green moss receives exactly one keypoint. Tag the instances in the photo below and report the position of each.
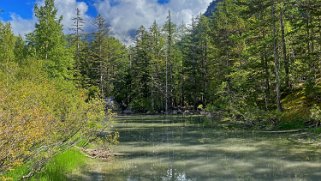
(62, 164)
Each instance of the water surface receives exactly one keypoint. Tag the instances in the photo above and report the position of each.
(160, 148)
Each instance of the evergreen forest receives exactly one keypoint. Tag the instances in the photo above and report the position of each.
(254, 63)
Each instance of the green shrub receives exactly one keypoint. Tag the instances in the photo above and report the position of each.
(38, 113)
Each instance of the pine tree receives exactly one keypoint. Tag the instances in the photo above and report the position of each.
(77, 28)
(306, 43)
(140, 74)
(196, 48)
(99, 46)
(227, 29)
(157, 68)
(49, 42)
(258, 51)
(169, 31)
(276, 60)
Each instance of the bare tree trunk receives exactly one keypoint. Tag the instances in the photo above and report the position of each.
(266, 81)
(166, 85)
(101, 71)
(285, 59)
(276, 62)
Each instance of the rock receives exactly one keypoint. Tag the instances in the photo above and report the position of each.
(127, 111)
(210, 115)
(187, 112)
(204, 113)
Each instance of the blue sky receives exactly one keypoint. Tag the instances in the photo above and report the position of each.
(24, 8)
(124, 16)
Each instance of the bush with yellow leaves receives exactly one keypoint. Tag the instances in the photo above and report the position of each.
(37, 112)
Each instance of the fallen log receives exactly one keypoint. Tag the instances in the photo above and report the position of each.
(280, 132)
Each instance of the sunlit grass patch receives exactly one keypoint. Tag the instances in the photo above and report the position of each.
(296, 111)
(62, 164)
(16, 173)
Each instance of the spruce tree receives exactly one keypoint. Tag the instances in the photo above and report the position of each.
(169, 30)
(100, 58)
(49, 42)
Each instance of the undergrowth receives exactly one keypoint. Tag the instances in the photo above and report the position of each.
(61, 165)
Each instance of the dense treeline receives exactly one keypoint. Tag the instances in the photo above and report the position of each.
(265, 57)
(249, 60)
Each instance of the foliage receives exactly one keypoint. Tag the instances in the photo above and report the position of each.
(41, 109)
(252, 61)
(49, 43)
(155, 73)
(103, 64)
(315, 114)
(7, 45)
(16, 173)
(37, 112)
(60, 165)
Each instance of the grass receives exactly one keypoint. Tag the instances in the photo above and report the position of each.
(60, 165)
(16, 174)
(316, 131)
(296, 111)
(56, 169)
(291, 124)
(297, 108)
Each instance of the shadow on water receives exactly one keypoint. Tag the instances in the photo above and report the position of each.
(159, 148)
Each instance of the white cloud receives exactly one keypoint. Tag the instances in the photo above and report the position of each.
(124, 16)
(128, 15)
(22, 26)
(66, 8)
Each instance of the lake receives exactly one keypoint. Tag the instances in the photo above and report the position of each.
(172, 149)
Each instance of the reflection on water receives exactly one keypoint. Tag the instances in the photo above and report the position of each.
(169, 149)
